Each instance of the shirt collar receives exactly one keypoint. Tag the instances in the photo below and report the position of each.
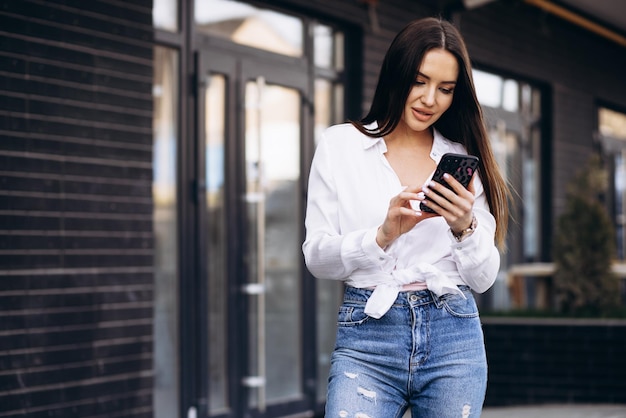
(440, 143)
(368, 142)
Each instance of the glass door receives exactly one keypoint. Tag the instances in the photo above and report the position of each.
(251, 204)
(272, 251)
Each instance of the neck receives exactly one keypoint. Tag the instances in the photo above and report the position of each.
(403, 136)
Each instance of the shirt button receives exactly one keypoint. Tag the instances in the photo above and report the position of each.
(413, 298)
(381, 258)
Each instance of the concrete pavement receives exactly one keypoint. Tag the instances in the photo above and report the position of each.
(556, 411)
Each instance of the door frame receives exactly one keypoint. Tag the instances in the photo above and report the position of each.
(240, 64)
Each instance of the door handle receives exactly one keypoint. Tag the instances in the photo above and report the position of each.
(257, 288)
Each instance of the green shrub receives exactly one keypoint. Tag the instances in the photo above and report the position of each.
(584, 248)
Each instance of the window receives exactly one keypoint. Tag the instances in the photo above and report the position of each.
(328, 46)
(248, 25)
(512, 111)
(165, 127)
(165, 15)
(612, 127)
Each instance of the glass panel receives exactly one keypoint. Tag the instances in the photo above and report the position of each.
(323, 43)
(339, 51)
(510, 91)
(165, 14)
(328, 105)
(612, 123)
(328, 47)
(165, 127)
(488, 88)
(214, 142)
(274, 255)
(613, 135)
(328, 110)
(248, 25)
(329, 296)
(323, 106)
(338, 101)
(513, 114)
(620, 203)
(506, 146)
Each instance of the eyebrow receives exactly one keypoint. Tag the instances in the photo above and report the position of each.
(428, 78)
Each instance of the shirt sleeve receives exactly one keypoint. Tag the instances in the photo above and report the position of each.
(477, 257)
(328, 252)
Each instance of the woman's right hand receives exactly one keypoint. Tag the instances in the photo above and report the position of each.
(401, 217)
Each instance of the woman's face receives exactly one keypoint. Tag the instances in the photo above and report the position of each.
(432, 92)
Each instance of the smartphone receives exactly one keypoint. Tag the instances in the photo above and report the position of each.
(459, 166)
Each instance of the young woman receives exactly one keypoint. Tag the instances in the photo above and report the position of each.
(409, 335)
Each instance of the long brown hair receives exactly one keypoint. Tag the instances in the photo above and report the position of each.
(462, 123)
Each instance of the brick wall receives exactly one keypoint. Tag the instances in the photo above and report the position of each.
(555, 361)
(75, 208)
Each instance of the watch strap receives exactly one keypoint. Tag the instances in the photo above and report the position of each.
(467, 231)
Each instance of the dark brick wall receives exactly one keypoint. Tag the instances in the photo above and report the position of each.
(75, 208)
(555, 361)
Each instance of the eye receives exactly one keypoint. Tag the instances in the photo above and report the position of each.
(419, 83)
(446, 90)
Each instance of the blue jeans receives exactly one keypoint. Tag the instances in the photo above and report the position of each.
(426, 354)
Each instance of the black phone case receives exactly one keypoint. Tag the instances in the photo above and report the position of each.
(460, 166)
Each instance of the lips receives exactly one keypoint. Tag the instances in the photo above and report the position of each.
(422, 115)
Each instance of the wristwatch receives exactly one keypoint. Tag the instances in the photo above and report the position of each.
(466, 232)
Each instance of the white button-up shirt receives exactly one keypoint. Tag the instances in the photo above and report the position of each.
(350, 186)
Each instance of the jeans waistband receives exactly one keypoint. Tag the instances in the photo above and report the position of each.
(405, 298)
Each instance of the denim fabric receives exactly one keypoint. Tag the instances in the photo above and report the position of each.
(426, 354)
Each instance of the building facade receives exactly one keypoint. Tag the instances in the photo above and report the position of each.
(154, 158)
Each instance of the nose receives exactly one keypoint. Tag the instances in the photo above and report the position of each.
(428, 98)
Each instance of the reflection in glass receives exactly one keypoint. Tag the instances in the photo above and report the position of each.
(214, 142)
(165, 127)
(272, 151)
(165, 14)
(488, 88)
(510, 93)
(328, 105)
(612, 123)
(612, 127)
(513, 113)
(323, 42)
(328, 47)
(323, 106)
(620, 203)
(248, 25)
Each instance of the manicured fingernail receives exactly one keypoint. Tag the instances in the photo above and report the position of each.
(446, 175)
(431, 184)
(421, 195)
(425, 190)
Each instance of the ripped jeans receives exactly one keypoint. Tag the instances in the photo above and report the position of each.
(425, 354)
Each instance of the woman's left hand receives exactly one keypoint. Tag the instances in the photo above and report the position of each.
(454, 205)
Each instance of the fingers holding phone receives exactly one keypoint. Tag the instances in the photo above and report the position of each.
(454, 199)
(403, 214)
(450, 193)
